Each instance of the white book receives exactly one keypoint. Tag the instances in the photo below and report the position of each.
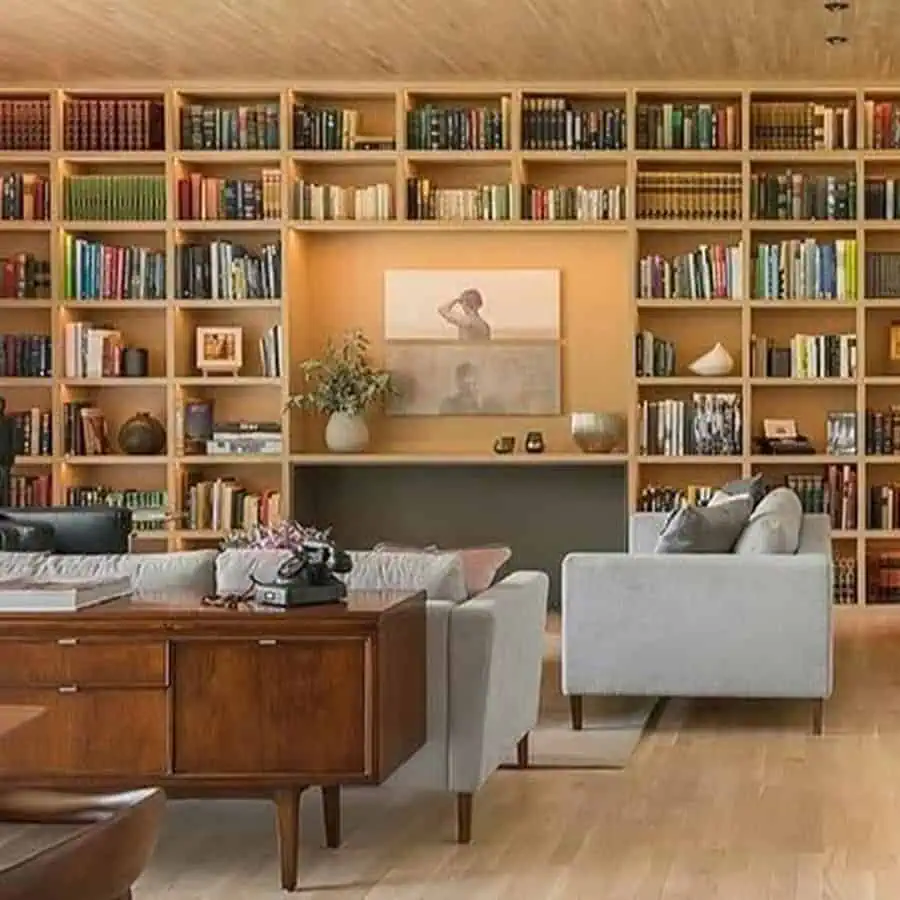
(29, 595)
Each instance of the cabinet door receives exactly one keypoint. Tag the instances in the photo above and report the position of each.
(300, 707)
(85, 731)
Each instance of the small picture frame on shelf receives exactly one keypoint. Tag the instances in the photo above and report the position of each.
(220, 350)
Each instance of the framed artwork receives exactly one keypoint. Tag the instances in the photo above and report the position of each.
(487, 379)
(220, 349)
(472, 305)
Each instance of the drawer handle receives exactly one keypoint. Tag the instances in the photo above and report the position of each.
(68, 689)
(267, 642)
(67, 642)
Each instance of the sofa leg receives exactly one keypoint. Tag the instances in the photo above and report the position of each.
(818, 722)
(522, 752)
(464, 818)
(576, 708)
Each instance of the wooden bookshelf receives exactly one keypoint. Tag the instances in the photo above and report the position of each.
(349, 210)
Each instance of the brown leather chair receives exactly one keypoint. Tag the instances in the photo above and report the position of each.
(65, 846)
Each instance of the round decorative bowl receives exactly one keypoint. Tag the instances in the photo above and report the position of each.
(142, 435)
(598, 432)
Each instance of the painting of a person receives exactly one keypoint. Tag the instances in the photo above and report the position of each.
(464, 312)
(467, 399)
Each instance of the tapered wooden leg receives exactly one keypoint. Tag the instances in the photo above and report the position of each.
(464, 818)
(522, 752)
(331, 814)
(818, 717)
(576, 708)
(287, 809)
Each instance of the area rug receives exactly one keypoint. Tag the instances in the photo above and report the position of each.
(613, 726)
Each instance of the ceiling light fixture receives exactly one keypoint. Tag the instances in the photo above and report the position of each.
(834, 40)
(834, 6)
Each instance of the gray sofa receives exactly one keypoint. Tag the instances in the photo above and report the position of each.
(485, 652)
(646, 623)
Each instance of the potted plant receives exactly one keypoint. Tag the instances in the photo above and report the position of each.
(343, 384)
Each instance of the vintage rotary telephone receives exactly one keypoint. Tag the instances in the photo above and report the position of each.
(306, 577)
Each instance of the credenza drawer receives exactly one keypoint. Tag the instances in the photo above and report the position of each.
(76, 661)
(88, 732)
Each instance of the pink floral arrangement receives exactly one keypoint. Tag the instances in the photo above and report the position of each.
(287, 535)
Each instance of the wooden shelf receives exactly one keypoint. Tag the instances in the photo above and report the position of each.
(459, 459)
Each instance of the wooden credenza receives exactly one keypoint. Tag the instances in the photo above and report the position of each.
(196, 699)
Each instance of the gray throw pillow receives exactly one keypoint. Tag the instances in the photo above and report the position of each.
(710, 529)
(774, 526)
(753, 486)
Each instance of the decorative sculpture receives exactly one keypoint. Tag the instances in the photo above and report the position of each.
(714, 363)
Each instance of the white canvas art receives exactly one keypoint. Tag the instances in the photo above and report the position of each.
(471, 305)
(488, 379)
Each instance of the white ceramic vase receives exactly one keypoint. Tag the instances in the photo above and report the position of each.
(346, 433)
(715, 362)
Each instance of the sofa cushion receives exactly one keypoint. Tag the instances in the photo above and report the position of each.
(235, 566)
(25, 538)
(709, 529)
(774, 526)
(753, 486)
(19, 565)
(191, 570)
(440, 575)
(480, 564)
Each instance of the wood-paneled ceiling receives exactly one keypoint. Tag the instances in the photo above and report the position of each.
(68, 41)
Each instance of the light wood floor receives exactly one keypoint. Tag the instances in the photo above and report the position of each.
(725, 800)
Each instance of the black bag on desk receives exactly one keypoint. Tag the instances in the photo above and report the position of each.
(24, 538)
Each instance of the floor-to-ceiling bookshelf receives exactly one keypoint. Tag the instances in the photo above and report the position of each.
(587, 138)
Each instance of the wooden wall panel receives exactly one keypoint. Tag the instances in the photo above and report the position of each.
(344, 289)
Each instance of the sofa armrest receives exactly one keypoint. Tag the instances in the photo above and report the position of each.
(692, 625)
(496, 661)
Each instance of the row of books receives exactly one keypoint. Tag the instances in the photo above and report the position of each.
(224, 504)
(33, 432)
(210, 126)
(26, 356)
(222, 270)
(806, 268)
(25, 124)
(92, 351)
(554, 123)
(24, 276)
(30, 490)
(688, 126)
(833, 493)
(689, 195)
(85, 431)
(24, 197)
(113, 124)
(799, 195)
(95, 270)
(431, 127)
(326, 128)
(321, 202)
(884, 507)
(801, 125)
(203, 197)
(116, 198)
(805, 356)
(709, 424)
(149, 509)
(653, 356)
(488, 202)
(578, 203)
(711, 271)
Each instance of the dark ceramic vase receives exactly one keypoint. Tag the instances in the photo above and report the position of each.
(142, 435)
(504, 444)
(534, 442)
